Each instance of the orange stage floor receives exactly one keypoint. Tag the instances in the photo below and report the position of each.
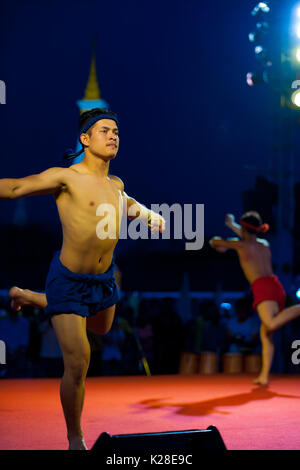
(248, 417)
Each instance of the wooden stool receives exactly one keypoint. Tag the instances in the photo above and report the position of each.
(208, 363)
(188, 363)
(252, 363)
(232, 363)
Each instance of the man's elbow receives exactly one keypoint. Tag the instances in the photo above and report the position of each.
(20, 189)
(15, 192)
(7, 189)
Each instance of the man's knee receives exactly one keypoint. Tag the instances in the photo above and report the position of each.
(105, 329)
(102, 322)
(98, 328)
(77, 366)
(269, 326)
(77, 371)
(268, 319)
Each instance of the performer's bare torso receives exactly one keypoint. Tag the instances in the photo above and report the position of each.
(77, 202)
(255, 259)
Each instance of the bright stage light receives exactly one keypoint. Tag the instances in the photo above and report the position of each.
(296, 98)
(257, 78)
(249, 79)
(251, 37)
(262, 26)
(261, 30)
(298, 30)
(298, 54)
(298, 294)
(262, 54)
(264, 7)
(225, 305)
(260, 9)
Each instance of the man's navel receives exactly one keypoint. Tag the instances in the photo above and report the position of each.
(92, 203)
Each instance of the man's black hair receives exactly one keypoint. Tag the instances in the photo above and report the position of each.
(253, 218)
(90, 114)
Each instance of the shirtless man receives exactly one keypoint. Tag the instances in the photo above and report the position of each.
(269, 296)
(80, 286)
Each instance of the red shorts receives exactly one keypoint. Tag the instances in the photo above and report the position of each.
(268, 288)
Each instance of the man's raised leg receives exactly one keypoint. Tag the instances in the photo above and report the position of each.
(273, 318)
(70, 330)
(102, 322)
(20, 297)
(99, 324)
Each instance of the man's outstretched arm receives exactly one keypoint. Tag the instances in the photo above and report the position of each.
(230, 223)
(47, 182)
(222, 245)
(136, 209)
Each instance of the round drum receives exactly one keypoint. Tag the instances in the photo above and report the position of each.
(188, 363)
(208, 363)
(232, 363)
(252, 363)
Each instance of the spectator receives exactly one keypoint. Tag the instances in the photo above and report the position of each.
(50, 355)
(194, 334)
(214, 330)
(14, 331)
(168, 339)
(111, 353)
(243, 329)
(145, 332)
(130, 350)
(33, 315)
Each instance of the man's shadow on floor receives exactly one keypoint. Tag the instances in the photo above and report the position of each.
(208, 407)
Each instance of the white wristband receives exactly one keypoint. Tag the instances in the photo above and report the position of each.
(144, 213)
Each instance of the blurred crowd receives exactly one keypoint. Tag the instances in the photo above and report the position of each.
(146, 332)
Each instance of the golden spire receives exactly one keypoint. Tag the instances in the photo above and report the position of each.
(92, 91)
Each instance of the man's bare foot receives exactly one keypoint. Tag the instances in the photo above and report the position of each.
(261, 380)
(19, 297)
(77, 443)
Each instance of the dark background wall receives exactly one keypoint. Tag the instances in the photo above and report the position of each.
(191, 129)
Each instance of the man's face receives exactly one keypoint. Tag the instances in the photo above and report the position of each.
(104, 139)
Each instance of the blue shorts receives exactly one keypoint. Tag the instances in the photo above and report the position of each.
(82, 294)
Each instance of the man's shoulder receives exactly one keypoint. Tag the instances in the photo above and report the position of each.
(117, 181)
(263, 242)
(74, 172)
(58, 171)
(236, 242)
(76, 168)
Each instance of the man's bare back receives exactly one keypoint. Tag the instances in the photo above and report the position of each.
(254, 253)
(255, 259)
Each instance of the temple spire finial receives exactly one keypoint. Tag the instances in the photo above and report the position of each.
(92, 90)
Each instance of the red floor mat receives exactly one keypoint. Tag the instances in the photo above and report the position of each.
(247, 416)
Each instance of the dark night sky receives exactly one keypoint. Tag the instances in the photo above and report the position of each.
(173, 70)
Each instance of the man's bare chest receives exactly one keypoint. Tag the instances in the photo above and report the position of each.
(92, 195)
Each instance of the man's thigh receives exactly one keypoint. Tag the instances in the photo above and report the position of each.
(267, 310)
(70, 330)
(102, 322)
